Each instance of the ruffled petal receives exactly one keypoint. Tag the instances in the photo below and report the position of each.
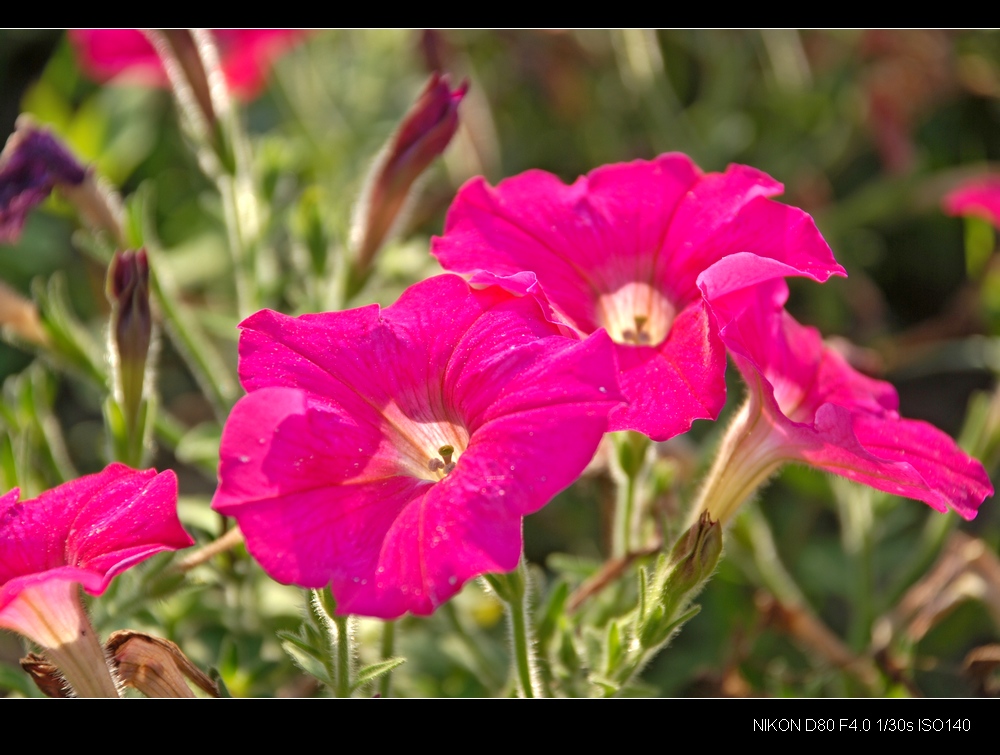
(669, 386)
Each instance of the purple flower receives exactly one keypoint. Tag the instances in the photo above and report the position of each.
(32, 164)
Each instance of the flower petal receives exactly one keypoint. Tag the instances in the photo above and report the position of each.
(671, 385)
(329, 463)
(979, 197)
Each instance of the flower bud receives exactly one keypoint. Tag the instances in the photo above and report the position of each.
(423, 135)
(154, 666)
(33, 163)
(131, 324)
(694, 557)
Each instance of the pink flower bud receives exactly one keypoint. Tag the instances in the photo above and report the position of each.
(422, 136)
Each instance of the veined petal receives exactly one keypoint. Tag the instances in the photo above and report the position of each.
(392, 453)
(671, 385)
(635, 248)
(88, 530)
(826, 414)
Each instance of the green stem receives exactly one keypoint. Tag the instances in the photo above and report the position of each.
(513, 588)
(630, 456)
(522, 647)
(388, 645)
(855, 508)
(238, 202)
(343, 679)
(208, 368)
(624, 514)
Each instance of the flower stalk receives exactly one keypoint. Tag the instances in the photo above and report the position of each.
(745, 460)
(50, 614)
(513, 589)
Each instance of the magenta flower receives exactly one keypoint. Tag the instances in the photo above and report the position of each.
(807, 405)
(246, 55)
(33, 163)
(979, 197)
(391, 454)
(84, 532)
(624, 248)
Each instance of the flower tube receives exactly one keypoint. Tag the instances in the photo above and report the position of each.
(84, 532)
(806, 405)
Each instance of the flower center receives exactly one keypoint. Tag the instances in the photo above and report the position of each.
(443, 465)
(429, 450)
(636, 314)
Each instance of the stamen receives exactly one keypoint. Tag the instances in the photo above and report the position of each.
(435, 465)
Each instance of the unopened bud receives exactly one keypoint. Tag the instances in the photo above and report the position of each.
(631, 448)
(422, 135)
(33, 163)
(154, 666)
(694, 557)
(131, 323)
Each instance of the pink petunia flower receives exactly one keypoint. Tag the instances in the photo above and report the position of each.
(624, 248)
(246, 55)
(84, 532)
(807, 405)
(391, 454)
(979, 197)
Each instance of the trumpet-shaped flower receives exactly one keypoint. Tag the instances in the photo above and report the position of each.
(246, 55)
(624, 248)
(808, 405)
(84, 532)
(979, 197)
(391, 454)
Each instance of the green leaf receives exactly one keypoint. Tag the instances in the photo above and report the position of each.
(375, 670)
(303, 656)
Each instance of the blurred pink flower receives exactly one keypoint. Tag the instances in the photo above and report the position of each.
(979, 197)
(391, 454)
(624, 248)
(84, 532)
(245, 54)
(807, 405)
